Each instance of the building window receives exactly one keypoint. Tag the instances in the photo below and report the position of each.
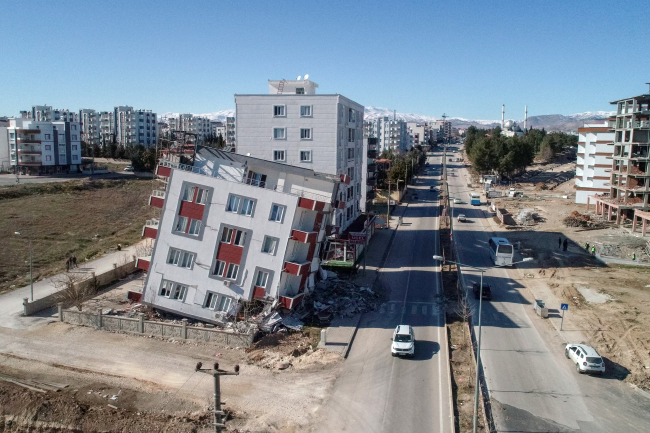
(241, 205)
(48, 158)
(279, 155)
(210, 300)
(351, 173)
(224, 303)
(231, 274)
(269, 245)
(262, 279)
(195, 227)
(278, 110)
(305, 110)
(74, 137)
(279, 133)
(351, 116)
(247, 207)
(240, 238)
(226, 235)
(350, 212)
(350, 135)
(233, 203)
(173, 290)
(219, 267)
(300, 90)
(74, 147)
(182, 259)
(351, 153)
(188, 194)
(305, 134)
(305, 156)
(47, 136)
(181, 224)
(202, 196)
(256, 179)
(75, 157)
(277, 213)
(350, 192)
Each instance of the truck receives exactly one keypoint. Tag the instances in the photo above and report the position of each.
(474, 199)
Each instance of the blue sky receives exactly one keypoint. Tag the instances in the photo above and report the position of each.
(464, 58)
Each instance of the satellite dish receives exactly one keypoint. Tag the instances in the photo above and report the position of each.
(300, 76)
(306, 76)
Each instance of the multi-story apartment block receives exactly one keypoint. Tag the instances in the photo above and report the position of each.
(218, 128)
(369, 171)
(135, 126)
(45, 113)
(106, 127)
(90, 129)
(231, 133)
(391, 134)
(39, 147)
(594, 156)
(294, 125)
(235, 228)
(201, 126)
(418, 134)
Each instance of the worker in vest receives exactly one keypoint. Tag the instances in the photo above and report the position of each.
(586, 246)
(633, 256)
(593, 251)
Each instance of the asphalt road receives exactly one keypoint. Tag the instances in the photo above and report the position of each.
(10, 179)
(376, 392)
(532, 386)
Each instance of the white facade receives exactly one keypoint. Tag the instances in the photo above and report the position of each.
(294, 125)
(418, 134)
(45, 113)
(201, 126)
(5, 163)
(253, 230)
(231, 133)
(133, 127)
(89, 120)
(218, 128)
(391, 134)
(44, 147)
(594, 160)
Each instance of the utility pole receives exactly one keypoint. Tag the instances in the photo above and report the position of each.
(219, 422)
(388, 209)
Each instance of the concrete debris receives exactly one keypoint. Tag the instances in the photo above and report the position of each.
(526, 217)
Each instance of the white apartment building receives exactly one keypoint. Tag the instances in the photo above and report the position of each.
(218, 128)
(45, 113)
(38, 147)
(294, 125)
(391, 134)
(106, 127)
(235, 228)
(594, 159)
(231, 133)
(133, 127)
(418, 134)
(201, 126)
(89, 120)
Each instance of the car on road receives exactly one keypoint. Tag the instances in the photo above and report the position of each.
(586, 358)
(128, 168)
(487, 291)
(461, 218)
(403, 341)
(457, 200)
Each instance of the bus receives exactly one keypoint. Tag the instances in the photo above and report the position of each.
(474, 199)
(501, 251)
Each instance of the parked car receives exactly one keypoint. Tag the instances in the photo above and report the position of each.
(586, 358)
(403, 341)
(128, 168)
(487, 291)
(457, 200)
(461, 218)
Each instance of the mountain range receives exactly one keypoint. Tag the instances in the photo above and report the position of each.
(550, 122)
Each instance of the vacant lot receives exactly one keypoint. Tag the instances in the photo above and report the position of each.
(85, 218)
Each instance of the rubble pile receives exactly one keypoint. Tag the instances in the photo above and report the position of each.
(626, 252)
(526, 217)
(343, 298)
(576, 219)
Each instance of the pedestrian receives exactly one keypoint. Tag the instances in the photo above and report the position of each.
(119, 247)
(559, 242)
(67, 265)
(565, 244)
(633, 256)
(74, 261)
(586, 246)
(593, 251)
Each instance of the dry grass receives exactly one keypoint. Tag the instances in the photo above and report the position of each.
(85, 218)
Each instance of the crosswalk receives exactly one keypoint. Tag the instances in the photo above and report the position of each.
(410, 308)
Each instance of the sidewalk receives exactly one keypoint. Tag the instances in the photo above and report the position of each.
(11, 303)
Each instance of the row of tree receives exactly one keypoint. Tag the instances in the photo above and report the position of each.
(490, 152)
(402, 166)
(142, 158)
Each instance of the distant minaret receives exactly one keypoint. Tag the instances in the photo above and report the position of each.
(525, 117)
(503, 116)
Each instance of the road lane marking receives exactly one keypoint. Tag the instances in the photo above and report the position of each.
(414, 309)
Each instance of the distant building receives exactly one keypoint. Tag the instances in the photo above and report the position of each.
(201, 126)
(391, 134)
(418, 134)
(231, 133)
(41, 147)
(106, 127)
(593, 163)
(133, 127)
(218, 128)
(511, 129)
(89, 120)
(45, 113)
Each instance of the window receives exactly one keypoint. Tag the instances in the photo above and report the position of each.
(233, 203)
(300, 90)
(166, 288)
(240, 238)
(75, 157)
(173, 290)
(262, 279)
(202, 196)
(219, 267)
(305, 134)
(180, 258)
(74, 147)
(305, 156)
(195, 227)
(351, 116)
(350, 209)
(47, 136)
(278, 110)
(351, 173)
(179, 292)
(181, 224)
(350, 192)
(247, 207)
(351, 153)
(224, 303)
(48, 157)
(278, 155)
(226, 235)
(210, 300)
(277, 213)
(74, 137)
(256, 179)
(11, 135)
(231, 274)
(350, 135)
(305, 110)
(279, 133)
(269, 245)
(188, 193)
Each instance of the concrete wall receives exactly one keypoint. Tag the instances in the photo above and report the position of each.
(159, 329)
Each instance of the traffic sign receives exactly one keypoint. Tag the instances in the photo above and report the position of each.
(564, 307)
(357, 238)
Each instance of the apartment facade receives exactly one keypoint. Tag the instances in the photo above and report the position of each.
(391, 134)
(134, 127)
(201, 126)
(231, 133)
(594, 160)
(45, 113)
(293, 125)
(218, 128)
(418, 134)
(89, 120)
(235, 228)
(39, 147)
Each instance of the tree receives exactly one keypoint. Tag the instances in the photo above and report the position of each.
(73, 289)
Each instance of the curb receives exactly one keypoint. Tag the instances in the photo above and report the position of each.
(354, 334)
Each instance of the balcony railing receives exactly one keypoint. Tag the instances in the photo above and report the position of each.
(158, 193)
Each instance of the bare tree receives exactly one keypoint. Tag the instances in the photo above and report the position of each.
(73, 289)
(464, 311)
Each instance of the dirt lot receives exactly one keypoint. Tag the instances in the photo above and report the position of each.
(609, 303)
(82, 217)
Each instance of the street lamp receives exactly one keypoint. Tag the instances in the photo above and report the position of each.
(31, 262)
(478, 345)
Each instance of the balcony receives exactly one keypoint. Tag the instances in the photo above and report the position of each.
(371, 181)
(306, 237)
(157, 199)
(372, 154)
(372, 168)
(150, 229)
(291, 302)
(30, 139)
(296, 268)
(143, 263)
(26, 151)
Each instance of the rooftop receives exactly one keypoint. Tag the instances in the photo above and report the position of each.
(643, 98)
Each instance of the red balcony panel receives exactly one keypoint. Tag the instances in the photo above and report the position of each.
(341, 205)
(303, 283)
(310, 252)
(230, 253)
(304, 237)
(192, 210)
(156, 202)
(150, 232)
(291, 303)
(134, 296)
(164, 171)
(345, 179)
(318, 222)
(296, 268)
(258, 292)
(310, 204)
(142, 263)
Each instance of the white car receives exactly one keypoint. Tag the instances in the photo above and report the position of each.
(403, 341)
(457, 200)
(586, 358)
(461, 218)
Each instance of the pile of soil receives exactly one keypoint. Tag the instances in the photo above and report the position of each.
(283, 350)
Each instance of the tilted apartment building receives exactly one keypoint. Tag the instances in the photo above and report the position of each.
(594, 159)
(293, 125)
(234, 227)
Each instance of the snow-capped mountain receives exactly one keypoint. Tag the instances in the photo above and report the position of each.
(217, 115)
